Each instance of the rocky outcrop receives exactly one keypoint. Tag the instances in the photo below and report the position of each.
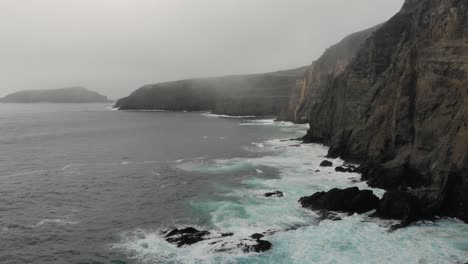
(319, 76)
(350, 200)
(255, 94)
(190, 235)
(64, 95)
(401, 108)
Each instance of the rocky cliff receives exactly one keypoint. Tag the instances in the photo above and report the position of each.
(64, 95)
(401, 108)
(310, 89)
(255, 94)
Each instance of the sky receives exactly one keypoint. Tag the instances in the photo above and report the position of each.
(116, 46)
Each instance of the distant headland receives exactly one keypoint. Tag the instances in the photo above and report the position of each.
(63, 95)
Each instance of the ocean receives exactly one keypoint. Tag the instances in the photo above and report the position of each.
(85, 184)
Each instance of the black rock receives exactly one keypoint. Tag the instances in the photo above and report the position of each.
(341, 169)
(186, 236)
(346, 168)
(398, 205)
(274, 194)
(257, 236)
(350, 200)
(261, 246)
(326, 163)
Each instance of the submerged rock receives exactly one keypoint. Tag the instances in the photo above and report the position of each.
(326, 163)
(274, 194)
(350, 200)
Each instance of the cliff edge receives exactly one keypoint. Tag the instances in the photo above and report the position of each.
(401, 108)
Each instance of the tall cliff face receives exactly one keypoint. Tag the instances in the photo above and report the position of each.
(319, 76)
(255, 94)
(401, 106)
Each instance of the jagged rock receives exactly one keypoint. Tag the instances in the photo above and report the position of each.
(274, 194)
(186, 236)
(326, 163)
(312, 87)
(189, 236)
(398, 205)
(346, 168)
(350, 200)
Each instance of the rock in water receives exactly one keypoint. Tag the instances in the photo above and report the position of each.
(189, 236)
(274, 194)
(326, 163)
(186, 236)
(350, 200)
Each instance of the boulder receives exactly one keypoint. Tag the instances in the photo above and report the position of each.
(350, 200)
(186, 236)
(326, 163)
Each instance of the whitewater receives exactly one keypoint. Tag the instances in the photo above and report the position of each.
(298, 235)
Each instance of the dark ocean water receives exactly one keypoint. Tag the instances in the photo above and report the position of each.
(85, 184)
(74, 176)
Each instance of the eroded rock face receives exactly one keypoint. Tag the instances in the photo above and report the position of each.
(401, 107)
(312, 87)
(350, 200)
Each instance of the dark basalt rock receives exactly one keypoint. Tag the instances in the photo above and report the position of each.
(274, 194)
(186, 236)
(257, 236)
(326, 163)
(189, 236)
(397, 205)
(350, 200)
(346, 168)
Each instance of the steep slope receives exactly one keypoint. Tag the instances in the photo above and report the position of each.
(64, 95)
(401, 106)
(255, 94)
(320, 74)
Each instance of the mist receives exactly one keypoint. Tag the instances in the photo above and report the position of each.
(116, 46)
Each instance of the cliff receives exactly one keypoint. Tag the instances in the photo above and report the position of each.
(309, 90)
(254, 94)
(401, 108)
(64, 95)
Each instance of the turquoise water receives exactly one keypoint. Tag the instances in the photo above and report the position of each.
(296, 233)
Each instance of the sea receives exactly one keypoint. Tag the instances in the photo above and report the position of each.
(86, 184)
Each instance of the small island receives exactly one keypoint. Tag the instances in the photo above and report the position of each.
(63, 95)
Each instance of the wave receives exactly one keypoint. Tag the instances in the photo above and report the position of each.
(56, 221)
(299, 236)
(209, 114)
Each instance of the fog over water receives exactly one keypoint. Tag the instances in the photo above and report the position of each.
(115, 46)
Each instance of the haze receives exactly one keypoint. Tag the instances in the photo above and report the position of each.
(115, 46)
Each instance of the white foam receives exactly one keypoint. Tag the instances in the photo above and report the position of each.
(244, 211)
(209, 114)
(56, 222)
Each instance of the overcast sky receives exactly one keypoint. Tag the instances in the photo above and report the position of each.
(115, 46)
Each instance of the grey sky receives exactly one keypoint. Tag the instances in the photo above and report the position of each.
(115, 46)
